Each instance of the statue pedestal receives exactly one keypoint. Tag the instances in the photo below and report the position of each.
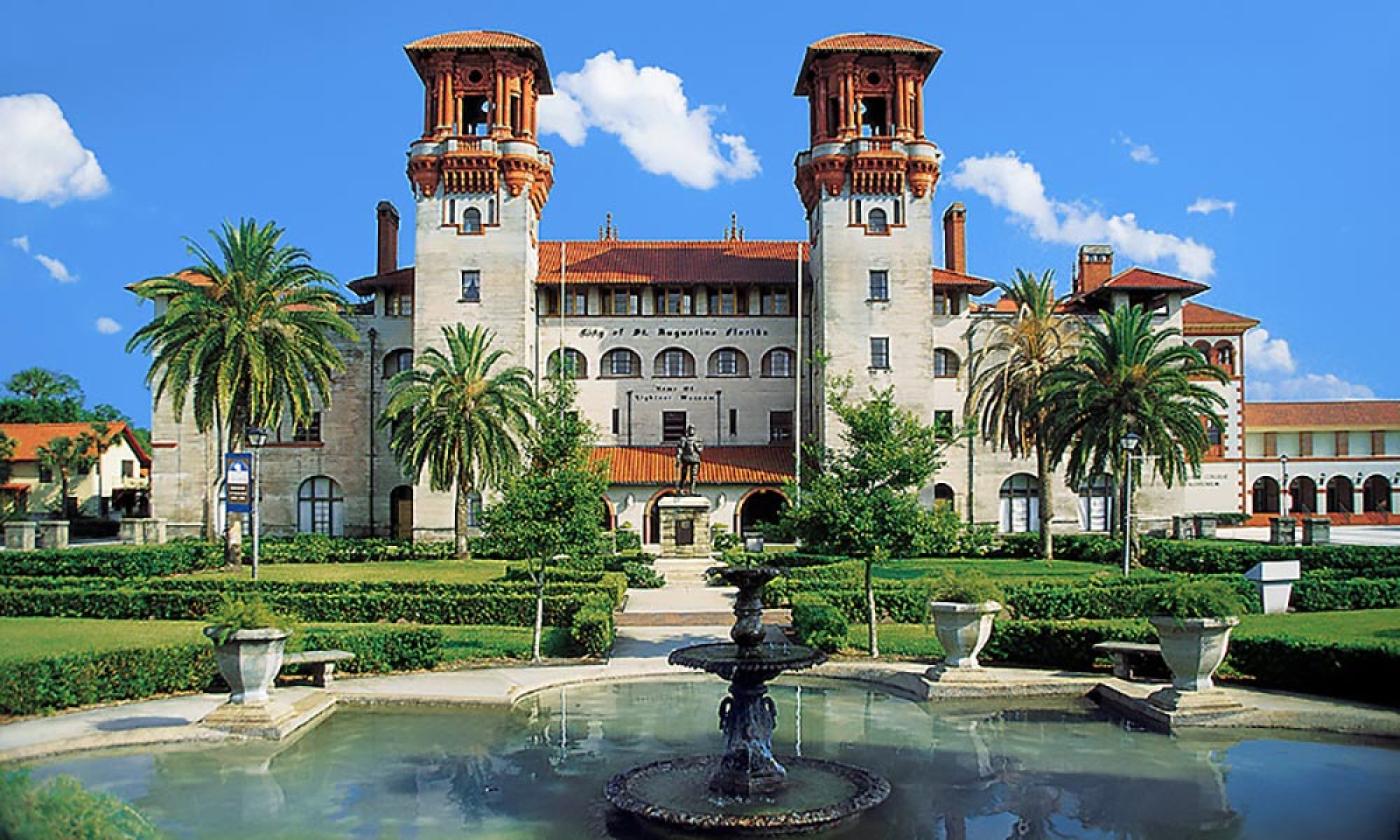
(685, 526)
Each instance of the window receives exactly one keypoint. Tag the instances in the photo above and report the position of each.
(674, 301)
(779, 426)
(309, 432)
(674, 363)
(1225, 356)
(471, 220)
(673, 425)
(397, 361)
(1265, 495)
(621, 363)
(879, 284)
(1305, 444)
(128, 469)
(1378, 443)
(880, 353)
(45, 475)
(622, 301)
(728, 361)
(1343, 443)
(575, 364)
(946, 303)
(1215, 439)
(1203, 347)
(1096, 503)
(728, 301)
(576, 302)
(471, 286)
(775, 302)
(733, 422)
(876, 222)
(945, 364)
(778, 363)
(859, 218)
(899, 211)
(942, 496)
(1302, 495)
(1339, 495)
(616, 420)
(1271, 446)
(943, 423)
(398, 303)
(320, 507)
(1020, 504)
(473, 510)
(1375, 495)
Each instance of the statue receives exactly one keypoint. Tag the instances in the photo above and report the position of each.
(688, 450)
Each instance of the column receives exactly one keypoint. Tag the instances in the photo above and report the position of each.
(498, 104)
(819, 93)
(918, 110)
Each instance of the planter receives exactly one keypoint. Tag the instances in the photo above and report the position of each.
(249, 662)
(963, 630)
(1193, 648)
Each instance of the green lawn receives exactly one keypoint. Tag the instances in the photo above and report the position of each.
(442, 571)
(1006, 571)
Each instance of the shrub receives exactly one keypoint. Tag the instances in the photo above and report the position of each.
(378, 649)
(1059, 644)
(1224, 556)
(591, 628)
(120, 561)
(627, 539)
(1195, 599)
(1324, 595)
(818, 624)
(29, 686)
(235, 614)
(722, 538)
(62, 807)
(320, 548)
(1355, 670)
(642, 576)
(965, 587)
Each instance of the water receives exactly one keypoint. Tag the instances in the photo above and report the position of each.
(1010, 769)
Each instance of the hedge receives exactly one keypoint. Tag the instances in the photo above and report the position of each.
(592, 628)
(119, 561)
(1324, 595)
(377, 649)
(818, 624)
(319, 548)
(1223, 556)
(615, 583)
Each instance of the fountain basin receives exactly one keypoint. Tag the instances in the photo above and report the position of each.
(764, 660)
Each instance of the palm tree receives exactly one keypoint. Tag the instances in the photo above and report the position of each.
(1131, 376)
(66, 457)
(460, 417)
(1008, 376)
(247, 337)
(40, 383)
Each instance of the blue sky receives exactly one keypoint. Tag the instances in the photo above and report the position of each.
(124, 127)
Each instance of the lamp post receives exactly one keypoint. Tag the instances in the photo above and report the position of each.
(257, 438)
(1285, 495)
(1128, 443)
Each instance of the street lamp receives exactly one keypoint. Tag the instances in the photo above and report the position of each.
(1129, 443)
(257, 438)
(1285, 495)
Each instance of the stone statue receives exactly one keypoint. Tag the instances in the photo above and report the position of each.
(688, 450)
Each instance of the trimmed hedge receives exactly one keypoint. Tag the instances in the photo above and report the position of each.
(118, 561)
(614, 583)
(319, 548)
(818, 624)
(1223, 556)
(1324, 595)
(592, 628)
(79, 679)
(377, 650)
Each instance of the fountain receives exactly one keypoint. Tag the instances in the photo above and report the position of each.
(747, 789)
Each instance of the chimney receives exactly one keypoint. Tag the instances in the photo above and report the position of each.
(955, 238)
(1094, 269)
(388, 238)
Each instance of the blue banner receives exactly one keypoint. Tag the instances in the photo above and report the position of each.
(238, 482)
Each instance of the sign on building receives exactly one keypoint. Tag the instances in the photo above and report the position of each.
(238, 482)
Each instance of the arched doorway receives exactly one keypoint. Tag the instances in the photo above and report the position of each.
(1096, 503)
(1375, 495)
(1265, 495)
(759, 508)
(609, 515)
(1020, 504)
(1339, 495)
(943, 496)
(401, 512)
(1302, 495)
(653, 519)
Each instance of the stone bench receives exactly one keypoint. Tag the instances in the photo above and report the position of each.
(1130, 657)
(320, 663)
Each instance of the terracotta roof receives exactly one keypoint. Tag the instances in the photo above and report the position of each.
(866, 42)
(481, 39)
(614, 261)
(656, 465)
(393, 280)
(1151, 281)
(1358, 414)
(28, 437)
(194, 278)
(16, 487)
(1199, 319)
(943, 278)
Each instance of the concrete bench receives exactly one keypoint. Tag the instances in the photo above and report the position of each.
(320, 663)
(1129, 657)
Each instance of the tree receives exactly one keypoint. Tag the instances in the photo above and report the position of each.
(1008, 374)
(247, 338)
(555, 507)
(7, 451)
(41, 383)
(862, 499)
(1132, 376)
(67, 458)
(460, 417)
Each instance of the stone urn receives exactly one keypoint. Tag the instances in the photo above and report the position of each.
(962, 630)
(249, 661)
(1193, 648)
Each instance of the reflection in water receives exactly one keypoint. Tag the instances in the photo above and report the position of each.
(959, 770)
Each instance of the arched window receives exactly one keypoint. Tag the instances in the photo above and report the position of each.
(397, 361)
(728, 361)
(1225, 356)
(1096, 503)
(673, 363)
(1265, 495)
(1302, 495)
(1339, 495)
(1203, 347)
(621, 363)
(778, 363)
(320, 507)
(945, 364)
(1375, 495)
(575, 364)
(1020, 504)
(473, 510)
(942, 496)
(471, 220)
(876, 223)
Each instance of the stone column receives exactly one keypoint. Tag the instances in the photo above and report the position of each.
(19, 536)
(132, 531)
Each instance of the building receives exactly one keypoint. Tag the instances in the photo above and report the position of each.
(116, 485)
(717, 334)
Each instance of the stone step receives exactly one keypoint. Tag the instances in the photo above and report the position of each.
(695, 619)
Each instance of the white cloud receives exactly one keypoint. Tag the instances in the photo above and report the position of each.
(1206, 206)
(1264, 354)
(107, 326)
(647, 110)
(1015, 185)
(40, 157)
(1310, 386)
(56, 269)
(21, 242)
(1139, 152)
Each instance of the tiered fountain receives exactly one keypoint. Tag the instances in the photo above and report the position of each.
(747, 789)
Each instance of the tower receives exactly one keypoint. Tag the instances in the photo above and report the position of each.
(867, 183)
(480, 181)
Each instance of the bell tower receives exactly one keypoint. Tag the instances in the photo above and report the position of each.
(867, 182)
(480, 182)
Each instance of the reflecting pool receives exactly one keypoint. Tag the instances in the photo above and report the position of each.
(1008, 769)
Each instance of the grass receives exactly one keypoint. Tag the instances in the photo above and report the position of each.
(1003, 571)
(441, 571)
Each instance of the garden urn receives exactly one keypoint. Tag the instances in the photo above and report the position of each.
(1193, 648)
(963, 630)
(249, 661)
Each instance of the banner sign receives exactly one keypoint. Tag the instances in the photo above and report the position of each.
(238, 482)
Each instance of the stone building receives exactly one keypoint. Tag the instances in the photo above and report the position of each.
(718, 334)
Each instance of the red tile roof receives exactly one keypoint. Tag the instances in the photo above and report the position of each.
(398, 279)
(1152, 281)
(866, 42)
(1364, 415)
(614, 261)
(1199, 319)
(656, 465)
(16, 487)
(943, 278)
(480, 40)
(28, 437)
